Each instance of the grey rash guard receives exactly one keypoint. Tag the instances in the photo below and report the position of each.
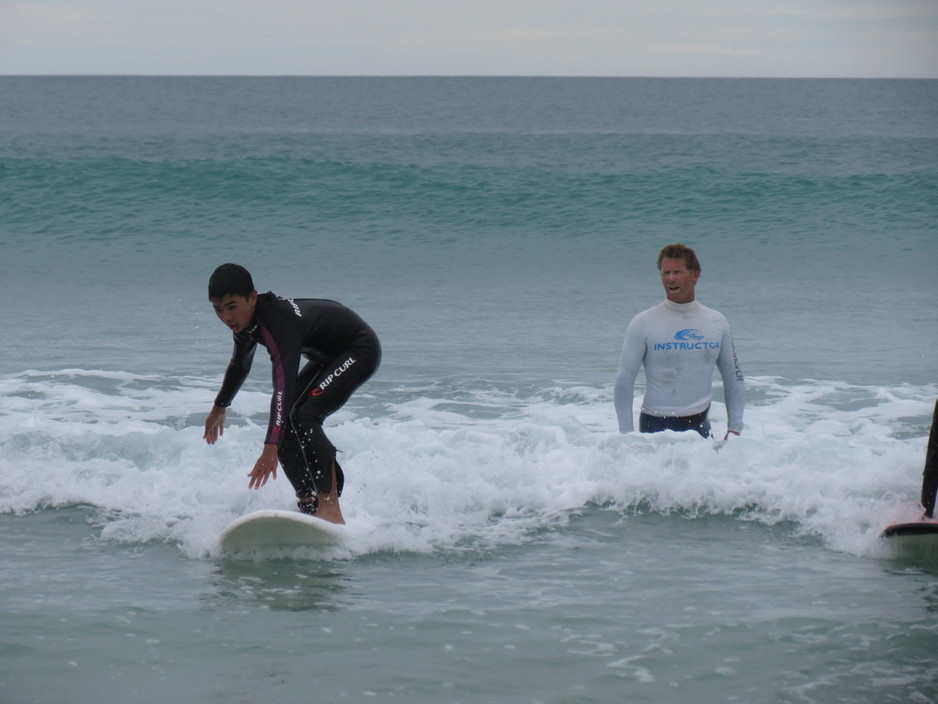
(679, 344)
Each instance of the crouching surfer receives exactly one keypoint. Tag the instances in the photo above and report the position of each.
(341, 352)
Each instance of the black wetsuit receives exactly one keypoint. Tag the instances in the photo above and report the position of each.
(930, 475)
(342, 352)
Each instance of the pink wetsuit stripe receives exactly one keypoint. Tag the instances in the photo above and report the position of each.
(277, 414)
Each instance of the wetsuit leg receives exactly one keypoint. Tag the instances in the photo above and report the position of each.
(291, 453)
(930, 475)
(306, 454)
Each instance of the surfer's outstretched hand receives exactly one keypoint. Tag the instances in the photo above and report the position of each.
(265, 466)
(214, 425)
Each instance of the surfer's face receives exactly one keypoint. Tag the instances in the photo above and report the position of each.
(237, 312)
(678, 280)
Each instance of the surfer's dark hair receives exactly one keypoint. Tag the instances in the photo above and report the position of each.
(680, 251)
(230, 280)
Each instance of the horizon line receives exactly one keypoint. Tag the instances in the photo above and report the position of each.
(466, 75)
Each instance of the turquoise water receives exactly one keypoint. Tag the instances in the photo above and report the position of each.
(507, 544)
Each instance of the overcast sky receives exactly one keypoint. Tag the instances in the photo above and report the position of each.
(842, 38)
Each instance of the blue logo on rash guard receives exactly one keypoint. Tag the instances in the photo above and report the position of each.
(689, 339)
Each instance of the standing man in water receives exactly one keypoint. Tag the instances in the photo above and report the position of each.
(342, 353)
(679, 341)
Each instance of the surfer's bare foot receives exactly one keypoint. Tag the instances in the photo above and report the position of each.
(328, 509)
(326, 506)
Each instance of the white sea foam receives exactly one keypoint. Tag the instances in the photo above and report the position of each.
(836, 462)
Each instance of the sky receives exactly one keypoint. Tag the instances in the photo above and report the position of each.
(734, 38)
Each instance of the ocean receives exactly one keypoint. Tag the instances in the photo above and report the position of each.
(507, 545)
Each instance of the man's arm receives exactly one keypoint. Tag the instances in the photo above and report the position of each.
(630, 361)
(284, 353)
(734, 386)
(238, 368)
(235, 374)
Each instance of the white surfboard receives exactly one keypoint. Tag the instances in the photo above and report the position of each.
(918, 539)
(272, 528)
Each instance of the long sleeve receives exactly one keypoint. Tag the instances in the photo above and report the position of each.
(630, 361)
(238, 368)
(734, 386)
(284, 353)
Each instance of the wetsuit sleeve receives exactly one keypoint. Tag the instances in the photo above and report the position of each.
(630, 361)
(734, 386)
(238, 368)
(284, 361)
